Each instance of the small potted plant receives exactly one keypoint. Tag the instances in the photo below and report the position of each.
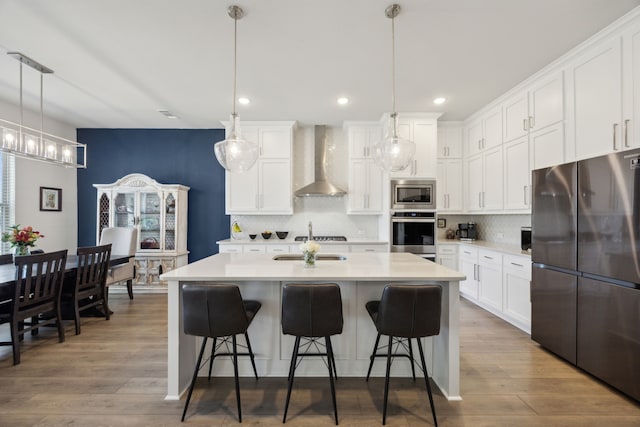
(309, 250)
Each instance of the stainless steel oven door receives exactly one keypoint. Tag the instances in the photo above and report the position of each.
(415, 235)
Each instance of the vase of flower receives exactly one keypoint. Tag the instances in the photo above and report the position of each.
(21, 250)
(309, 250)
(21, 238)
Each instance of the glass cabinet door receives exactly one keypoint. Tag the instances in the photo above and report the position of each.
(124, 207)
(149, 220)
(170, 223)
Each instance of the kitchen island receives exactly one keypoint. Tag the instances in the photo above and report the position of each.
(361, 277)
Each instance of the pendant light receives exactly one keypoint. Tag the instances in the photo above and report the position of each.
(235, 154)
(393, 153)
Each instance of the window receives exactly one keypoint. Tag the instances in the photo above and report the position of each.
(7, 196)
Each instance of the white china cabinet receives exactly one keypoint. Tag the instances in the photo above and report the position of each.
(158, 211)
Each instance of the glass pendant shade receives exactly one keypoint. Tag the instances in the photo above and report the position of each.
(394, 153)
(236, 154)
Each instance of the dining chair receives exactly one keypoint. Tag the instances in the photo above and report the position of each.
(405, 312)
(89, 289)
(123, 242)
(37, 288)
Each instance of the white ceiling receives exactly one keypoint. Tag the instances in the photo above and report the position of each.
(117, 62)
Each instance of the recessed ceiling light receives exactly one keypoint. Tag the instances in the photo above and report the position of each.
(168, 114)
(244, 101)
(343, 100)
(439, 100)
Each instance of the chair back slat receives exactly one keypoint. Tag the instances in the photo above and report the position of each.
(93, 263)
(38, 279)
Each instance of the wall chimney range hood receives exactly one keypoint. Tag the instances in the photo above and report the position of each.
(320, 186)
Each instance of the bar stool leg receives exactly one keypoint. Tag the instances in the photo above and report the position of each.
(193, 379)
(426, 380)
(333, 360)
(386, 382)
(373, 356)
(213, 355)
(292, 371)
(235, 374)
(331, 374)
(413, 369)
(253, 361)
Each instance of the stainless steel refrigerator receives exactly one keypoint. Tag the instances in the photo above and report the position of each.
(585, 289)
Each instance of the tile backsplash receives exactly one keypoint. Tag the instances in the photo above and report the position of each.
(328, 215)
(492, 228)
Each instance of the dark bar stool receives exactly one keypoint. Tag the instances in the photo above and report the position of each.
(312, 311)
(403, 313)
(217, 311)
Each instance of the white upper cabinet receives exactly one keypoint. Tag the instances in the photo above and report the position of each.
(631, 83)
(485, 181)
(546, 102)
(265, 189)
(595, 85)
(449, 185)
(547, 146)
(365, 177)
(420, 128)
(516, 116)
(517, 175)
(484, 133)
(449, 141)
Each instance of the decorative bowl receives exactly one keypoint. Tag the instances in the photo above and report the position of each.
(252, 236)
(282, 234)
(266, 235)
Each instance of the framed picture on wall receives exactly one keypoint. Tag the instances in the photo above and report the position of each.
(50, 199)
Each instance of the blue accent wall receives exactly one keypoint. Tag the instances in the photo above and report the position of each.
(170, 156)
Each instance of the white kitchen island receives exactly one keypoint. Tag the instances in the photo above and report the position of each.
(361, 277)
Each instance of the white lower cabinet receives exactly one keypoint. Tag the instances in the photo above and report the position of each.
(516, 282)
(468, 265)
(490, 279)
(448, 255)
(369, 248)
(497, 282)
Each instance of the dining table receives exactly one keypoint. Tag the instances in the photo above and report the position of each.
(8, 273)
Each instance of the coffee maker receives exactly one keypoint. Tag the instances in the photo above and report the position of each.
(467, 231)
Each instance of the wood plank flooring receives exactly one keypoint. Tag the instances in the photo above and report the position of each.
(114, 374)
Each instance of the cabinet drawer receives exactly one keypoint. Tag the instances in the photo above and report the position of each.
(468, 252)
(260, 249)
(518, 263)
(487, 257)
(368, 248)
(230, 249)
(279, 249)
(450, 249)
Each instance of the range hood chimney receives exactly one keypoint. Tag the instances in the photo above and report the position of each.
(320, 186)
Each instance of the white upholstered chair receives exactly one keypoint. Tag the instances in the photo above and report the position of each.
(123, 242)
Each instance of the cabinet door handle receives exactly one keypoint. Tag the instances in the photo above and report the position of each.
(257, 201)
(478, 275)
(626, 133)
(615, 131)
(484, 142)
(446, 151)
(483, 199)
(516, 264)
(525, 195)
(487, 257)
(532, 122)
(475, 276)
(415, 166)
(479, 199)
(260, 150)
(479, 144)
(524, 124)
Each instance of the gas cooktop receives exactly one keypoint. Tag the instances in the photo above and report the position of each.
(322, 238)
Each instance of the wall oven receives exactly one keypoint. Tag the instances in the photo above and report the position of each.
(414, 232)
(413, 194)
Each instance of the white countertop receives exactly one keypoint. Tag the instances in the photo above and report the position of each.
(500, 247)
(357, 267)
(290, 241)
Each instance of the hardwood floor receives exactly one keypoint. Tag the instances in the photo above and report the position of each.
(114, 374)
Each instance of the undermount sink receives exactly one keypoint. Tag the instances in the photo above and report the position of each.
(319, 257)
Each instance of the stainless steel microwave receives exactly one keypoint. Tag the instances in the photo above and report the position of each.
(413, 194)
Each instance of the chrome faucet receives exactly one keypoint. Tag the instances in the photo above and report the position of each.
(310, 236)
